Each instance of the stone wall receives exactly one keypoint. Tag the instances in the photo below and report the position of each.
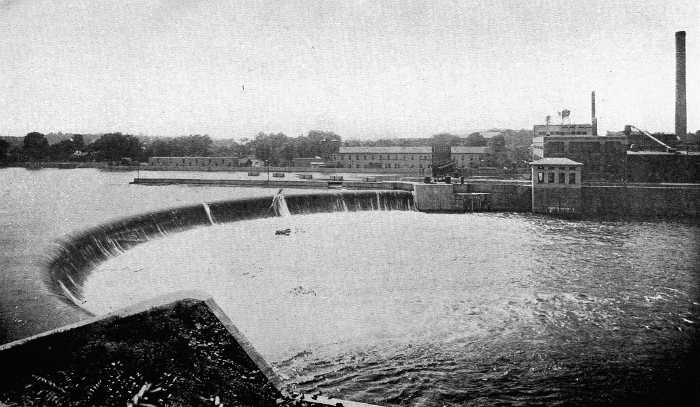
(557, 200)
(435, 197)
(663, 167)
(503, 196)
(641, 200)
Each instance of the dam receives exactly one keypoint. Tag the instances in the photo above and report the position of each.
(368, 299)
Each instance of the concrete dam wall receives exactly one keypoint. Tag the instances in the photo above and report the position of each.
(79, 254)
(658, 201)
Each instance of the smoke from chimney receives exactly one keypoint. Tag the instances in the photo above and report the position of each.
(681, 114)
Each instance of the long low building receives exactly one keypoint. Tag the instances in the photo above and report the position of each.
(209, 162)
(399, 157)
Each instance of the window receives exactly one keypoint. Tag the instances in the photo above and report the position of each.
(540, 177)
(562, 177)
(550, 177)
(572, 178)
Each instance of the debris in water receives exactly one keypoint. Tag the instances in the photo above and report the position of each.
(285, 232)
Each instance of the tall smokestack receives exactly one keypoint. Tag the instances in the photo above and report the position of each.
(594, 121)
(681, 115)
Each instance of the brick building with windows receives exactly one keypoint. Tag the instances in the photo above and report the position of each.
(412, 158)
(602, 156)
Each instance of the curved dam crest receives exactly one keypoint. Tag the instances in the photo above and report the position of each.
(78, 254)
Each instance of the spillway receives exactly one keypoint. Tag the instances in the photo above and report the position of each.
(77, 255)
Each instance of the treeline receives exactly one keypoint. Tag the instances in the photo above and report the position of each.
(474, 140)
(277, 148)
(108, 147)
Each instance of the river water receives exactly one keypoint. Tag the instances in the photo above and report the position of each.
(396, 308)
(40, 207)
(432, 309)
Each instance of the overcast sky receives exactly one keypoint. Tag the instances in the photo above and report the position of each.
(364, 69)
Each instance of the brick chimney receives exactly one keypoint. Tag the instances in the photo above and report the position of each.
(681, 114)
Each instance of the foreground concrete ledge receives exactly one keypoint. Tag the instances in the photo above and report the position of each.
(179, 348)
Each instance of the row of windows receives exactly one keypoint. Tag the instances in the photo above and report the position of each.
(540, 167)
(177, 162)
(565, 133)
(385, 165)
(404, 157)
(583, 147)
(560, 178)
(382, 157)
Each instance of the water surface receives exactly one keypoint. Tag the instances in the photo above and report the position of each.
(426, 309)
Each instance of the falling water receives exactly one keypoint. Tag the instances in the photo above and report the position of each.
(279, 204)
(208, 212)
(343, 205)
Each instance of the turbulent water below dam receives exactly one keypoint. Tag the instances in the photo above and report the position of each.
(433, 309)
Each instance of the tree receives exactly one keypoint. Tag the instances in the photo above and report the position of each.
(446, 138)
(4, 150)
(62, 151)
(115, 146)
(35, 146)
(78, 142)
(475, 140)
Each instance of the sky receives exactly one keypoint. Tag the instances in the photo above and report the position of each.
(363, 69)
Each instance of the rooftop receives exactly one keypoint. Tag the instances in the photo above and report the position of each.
(469, 150)
(555, 161)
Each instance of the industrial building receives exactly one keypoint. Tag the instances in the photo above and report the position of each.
(602, 156)
(633, 155)
(384, 157)
(211, 162)
(417, 158)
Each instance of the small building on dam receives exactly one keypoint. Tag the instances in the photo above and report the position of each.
(556, 186)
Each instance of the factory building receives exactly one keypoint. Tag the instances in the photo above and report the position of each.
(194, 162)
(602, 156)
(416, 158)
(384, 157)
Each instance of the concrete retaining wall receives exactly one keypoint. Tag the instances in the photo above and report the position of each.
(599, 200)
(435, 197)
(382, 185)
(641, 201)
(285, 169)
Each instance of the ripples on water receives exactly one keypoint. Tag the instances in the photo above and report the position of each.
(412, 308)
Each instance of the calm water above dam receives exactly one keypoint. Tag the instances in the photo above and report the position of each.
(424, 309)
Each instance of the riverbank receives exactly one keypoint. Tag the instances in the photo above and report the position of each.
(180, 349)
